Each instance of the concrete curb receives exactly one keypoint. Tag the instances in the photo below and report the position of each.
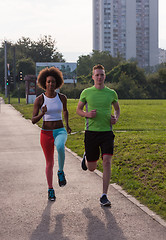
(145, 209)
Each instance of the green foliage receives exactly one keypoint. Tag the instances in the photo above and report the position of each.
(130, 82)
(126, 78)
(85, 79)
(19, 90)
(27, 53)
(72, 91)
(43, 50)
(127, 88)
(27, 66)
(86, 63)
(129, 69)
(156, 84)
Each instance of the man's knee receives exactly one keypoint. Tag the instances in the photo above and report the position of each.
(91, 169)
(91, 166)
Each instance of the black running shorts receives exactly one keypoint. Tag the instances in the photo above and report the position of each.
(96, 141)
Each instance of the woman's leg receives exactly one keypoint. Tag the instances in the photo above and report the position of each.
(60, 136)
(47, 143)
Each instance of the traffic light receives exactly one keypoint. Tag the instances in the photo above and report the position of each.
(11, 80)
(21, 76)
(7, 82)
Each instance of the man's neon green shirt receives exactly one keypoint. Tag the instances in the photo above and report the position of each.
(101, 100)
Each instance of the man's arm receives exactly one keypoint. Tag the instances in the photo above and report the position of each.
(63, 98)
(114, 118)
(82, 113)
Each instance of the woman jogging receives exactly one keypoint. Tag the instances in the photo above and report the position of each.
(49, 106)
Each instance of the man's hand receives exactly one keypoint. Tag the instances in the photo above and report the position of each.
(113, 119)
(91, 114)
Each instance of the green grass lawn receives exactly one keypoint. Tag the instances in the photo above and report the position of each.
(139, 162)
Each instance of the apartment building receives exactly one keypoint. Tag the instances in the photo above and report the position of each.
(162, 56)
(128, 28)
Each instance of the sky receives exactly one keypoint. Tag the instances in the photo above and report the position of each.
(69, 22)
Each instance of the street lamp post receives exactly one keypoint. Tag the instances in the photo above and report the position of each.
(5, 69)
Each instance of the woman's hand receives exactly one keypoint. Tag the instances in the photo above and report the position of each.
(44, 109)
(68, 129)
(37, 106)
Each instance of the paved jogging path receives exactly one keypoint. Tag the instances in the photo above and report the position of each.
(26, 214)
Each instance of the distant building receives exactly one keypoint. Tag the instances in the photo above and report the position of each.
(68, 70)
(128, 28)
(162, 56)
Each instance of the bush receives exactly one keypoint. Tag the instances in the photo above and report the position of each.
(19, 91)
(72, 91)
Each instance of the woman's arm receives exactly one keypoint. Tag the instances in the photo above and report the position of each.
(65, 112)
(37, 105)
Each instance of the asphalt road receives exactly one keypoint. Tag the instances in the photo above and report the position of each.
(25, 212)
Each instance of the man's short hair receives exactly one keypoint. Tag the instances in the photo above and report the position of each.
(98, 66)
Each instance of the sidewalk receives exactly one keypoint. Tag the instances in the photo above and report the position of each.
(26, 214)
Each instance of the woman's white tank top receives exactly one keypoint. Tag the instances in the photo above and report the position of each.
(54, 108)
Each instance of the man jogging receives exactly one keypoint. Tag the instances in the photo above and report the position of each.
(99, 136)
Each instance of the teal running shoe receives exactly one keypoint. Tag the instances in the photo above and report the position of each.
(51, 194)
(61, 178)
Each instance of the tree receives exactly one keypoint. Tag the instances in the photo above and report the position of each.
(43, 50)
(156, 84)
(130, 69)
(86, 62)
(23, 48)
(27, 52)
(84, 65)
(105, 59)
(26, 66)
(127, 88)
(129, 80)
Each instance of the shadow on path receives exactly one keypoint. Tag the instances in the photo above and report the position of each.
(42, 231)
(99, 230)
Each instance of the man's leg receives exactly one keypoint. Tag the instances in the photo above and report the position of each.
(106, 179)
(91, 165)
(106, 172)
(92, 151)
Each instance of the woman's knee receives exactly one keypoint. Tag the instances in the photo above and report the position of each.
(60, 147)
(49, 164)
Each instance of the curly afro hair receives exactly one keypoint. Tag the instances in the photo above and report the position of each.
(52, 71)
